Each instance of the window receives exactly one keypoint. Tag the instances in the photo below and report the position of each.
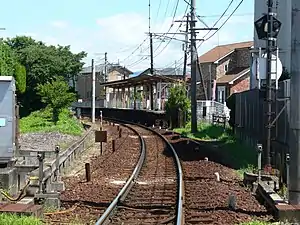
(221, 94)
(226, 67)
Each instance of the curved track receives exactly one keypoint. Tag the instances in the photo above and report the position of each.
(85, 201)
(155, 195)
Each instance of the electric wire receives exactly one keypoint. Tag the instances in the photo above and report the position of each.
(171, 38)
(135, 50)
(172, 24)
(218, 20)
(222, 25)
(236, 8)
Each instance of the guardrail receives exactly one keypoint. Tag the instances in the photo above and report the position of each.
(55, 166)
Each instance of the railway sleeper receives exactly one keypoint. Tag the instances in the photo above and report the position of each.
(147, 207)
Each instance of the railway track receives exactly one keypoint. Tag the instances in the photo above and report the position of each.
(85, 201)
(154, 192)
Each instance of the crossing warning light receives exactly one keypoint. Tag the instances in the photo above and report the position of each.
(261, 27)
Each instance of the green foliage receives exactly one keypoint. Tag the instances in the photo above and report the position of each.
(9, 66)
(178, 100)
(285, 75)
(56, 95)
(43, 64)
(137, 96)
(13, 219)
(20, 77)
(262, 223)
(41, 121)
(7, 60)
(237, 154)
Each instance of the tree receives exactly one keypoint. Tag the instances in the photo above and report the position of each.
(9, 66)
(43, 64)
(178, 102)
(56, 95)
(20, 77)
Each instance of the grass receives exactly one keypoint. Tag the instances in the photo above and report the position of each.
(240, 156)
(13, 219)
(41, 121)
(265, 223)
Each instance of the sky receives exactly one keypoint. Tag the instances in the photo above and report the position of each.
(118, 27)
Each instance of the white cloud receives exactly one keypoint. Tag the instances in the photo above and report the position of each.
(120, 34)
(59, 24)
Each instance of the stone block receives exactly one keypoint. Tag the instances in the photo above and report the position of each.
(58, 186)
(51, 200)
(8, 180)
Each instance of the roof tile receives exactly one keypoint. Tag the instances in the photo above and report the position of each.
(222, 50)
(232, 75)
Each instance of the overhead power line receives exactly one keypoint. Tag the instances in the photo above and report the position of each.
(135, 49)
(217, 15)
(222, 25)
(222, 15)
(236, 8)
(172, 24)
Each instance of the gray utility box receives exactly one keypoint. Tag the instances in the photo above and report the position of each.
(7, 119)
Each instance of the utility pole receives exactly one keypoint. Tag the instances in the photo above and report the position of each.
(93, 91)
(185, 47)
(270, 49)
(105, 76)
(151, 54)
(151, 58)
(294, 171)
(151, 70)
(193, 69)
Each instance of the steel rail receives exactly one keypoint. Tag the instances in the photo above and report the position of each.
(122, 194)
(180, 196)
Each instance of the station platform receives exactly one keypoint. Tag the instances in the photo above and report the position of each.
(146, 117)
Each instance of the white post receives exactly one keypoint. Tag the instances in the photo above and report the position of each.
(93, 91)
(101, 123)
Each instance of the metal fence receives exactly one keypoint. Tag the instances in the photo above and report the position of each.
(250, 117)
(206, 109)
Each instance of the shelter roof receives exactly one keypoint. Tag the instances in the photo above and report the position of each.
(143, 78)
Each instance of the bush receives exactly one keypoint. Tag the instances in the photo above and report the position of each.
(178, 102)
(57, 95)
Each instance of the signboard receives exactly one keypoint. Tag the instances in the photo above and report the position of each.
(100, 136)
(259, 68)
(261, 27)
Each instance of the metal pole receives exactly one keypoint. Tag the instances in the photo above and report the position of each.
(259, 151)
(101, 128)
(151, 71)
(209, 83)
(193, 69)
(288, 175)
(41, 157)
(185, 47)
(57, 150)
(270, 40)
(105, 76)
(93, 91)
(294, 171)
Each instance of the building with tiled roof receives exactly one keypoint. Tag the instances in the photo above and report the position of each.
(225, 70)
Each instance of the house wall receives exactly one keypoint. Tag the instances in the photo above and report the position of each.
(239, 58)
(243, 57)
(241, 85)
(84, 84)
(205, 69)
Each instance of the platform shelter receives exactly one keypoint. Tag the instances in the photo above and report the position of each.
(144, 91)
